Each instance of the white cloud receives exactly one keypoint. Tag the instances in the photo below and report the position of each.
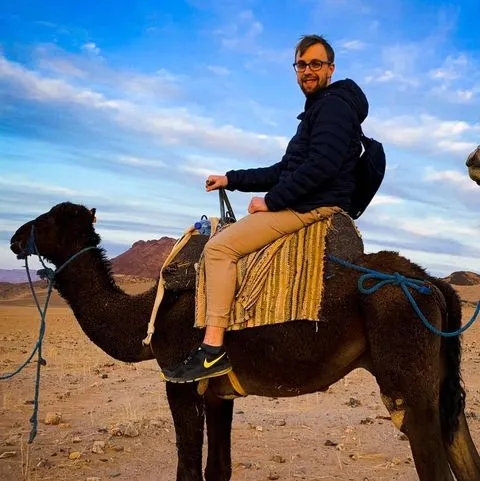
(242, 35)
(139, 162)
(166, 125)
(352, 44)
(426, 133)
(218, 70)
(91, 48)
(382, 199)
(453, 178)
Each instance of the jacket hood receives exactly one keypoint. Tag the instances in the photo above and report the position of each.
(349, 91)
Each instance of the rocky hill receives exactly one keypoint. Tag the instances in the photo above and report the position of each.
(144, 258)
(16, 275)
(463, 278)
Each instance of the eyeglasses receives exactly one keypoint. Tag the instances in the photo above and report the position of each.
(314, 65)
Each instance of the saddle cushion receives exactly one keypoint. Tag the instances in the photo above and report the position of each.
(284, 280)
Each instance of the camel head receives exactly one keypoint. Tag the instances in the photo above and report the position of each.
(473, 164)
(58, 234)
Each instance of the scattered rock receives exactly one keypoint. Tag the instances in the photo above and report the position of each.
(131, 431)
(76, 439)
(273, 476)
(93, 478)
(353, 403)
(367, 420)
(98, 447)
(53, 418)
(104, 376)
(104, 460)
(8, 454)
(64, 425)
(114, 474)
(239, 412)
(330, 443)
(278, 459)
(280, 422)
(74, 455)
(29, 402)
(259, 428)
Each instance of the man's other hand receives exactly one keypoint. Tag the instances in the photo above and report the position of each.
(257, 204)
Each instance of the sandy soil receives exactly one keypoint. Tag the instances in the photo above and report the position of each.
(343, 434)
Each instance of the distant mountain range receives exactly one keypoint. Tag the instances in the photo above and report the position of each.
(145, 258)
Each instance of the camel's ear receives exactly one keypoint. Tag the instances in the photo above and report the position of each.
(93, 211)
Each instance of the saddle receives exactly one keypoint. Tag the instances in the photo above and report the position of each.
(311, 246)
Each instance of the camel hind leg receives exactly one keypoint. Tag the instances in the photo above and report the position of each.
(462, 453)
(406, 363)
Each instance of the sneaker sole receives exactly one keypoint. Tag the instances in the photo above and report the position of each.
(201, 378)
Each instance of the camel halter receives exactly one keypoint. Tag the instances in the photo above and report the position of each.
(49, 274)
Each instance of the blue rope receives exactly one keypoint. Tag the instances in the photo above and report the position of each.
(50, 274)
(405, 283)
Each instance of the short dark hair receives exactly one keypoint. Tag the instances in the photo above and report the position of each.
(307, 41)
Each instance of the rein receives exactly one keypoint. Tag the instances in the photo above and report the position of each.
(405, 283)
(50, 275)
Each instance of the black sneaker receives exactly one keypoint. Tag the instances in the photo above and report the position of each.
(203, 363)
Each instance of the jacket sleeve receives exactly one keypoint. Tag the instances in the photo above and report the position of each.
(333, 125)
(254, 180)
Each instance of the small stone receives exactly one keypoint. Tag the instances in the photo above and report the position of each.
(340, 447)
(104, 460)
(273, 476)
(64, 425)
(131, 431)
(396, 461)
(76, 439)
(93, 478)
(353, 403)
(239, 411)
(367, 420)
(74, 455)
(98, 447)
(403, 437)
(280, 422)
(119, 449)
(53, 418)
(104, 376)
(114, 474)
(8, 454)
(259, 428)
(278, 459)
(330, 443)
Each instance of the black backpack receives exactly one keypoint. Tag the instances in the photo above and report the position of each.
(369, 174)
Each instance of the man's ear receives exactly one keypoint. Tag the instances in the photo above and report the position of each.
(93, 212)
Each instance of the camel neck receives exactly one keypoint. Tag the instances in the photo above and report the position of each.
(115, 321)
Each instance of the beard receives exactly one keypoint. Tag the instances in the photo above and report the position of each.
(312, 83)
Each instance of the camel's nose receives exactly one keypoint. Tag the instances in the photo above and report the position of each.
(474, 158)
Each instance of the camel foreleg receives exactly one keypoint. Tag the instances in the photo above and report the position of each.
(187, 409)
(219, 426)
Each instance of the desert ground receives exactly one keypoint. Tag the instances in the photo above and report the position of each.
(111, 419)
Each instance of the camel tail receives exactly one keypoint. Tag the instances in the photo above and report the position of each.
(452, 394)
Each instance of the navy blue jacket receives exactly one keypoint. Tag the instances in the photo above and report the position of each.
(318, 166)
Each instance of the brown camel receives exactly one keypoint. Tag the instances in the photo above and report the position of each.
(418, 372)
(473, 164)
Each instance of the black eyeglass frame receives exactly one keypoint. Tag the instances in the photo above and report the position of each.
(309, 64)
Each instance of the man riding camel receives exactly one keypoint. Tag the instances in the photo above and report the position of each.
(317, 170)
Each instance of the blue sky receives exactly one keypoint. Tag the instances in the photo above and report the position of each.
(128, 106)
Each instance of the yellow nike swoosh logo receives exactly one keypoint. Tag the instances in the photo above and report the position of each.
(208, 365)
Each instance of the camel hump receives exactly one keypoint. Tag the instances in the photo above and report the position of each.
(343, 241)
(180, 274)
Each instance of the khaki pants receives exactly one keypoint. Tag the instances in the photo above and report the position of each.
(223, 251)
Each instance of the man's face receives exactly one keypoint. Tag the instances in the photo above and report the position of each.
(312, 80)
